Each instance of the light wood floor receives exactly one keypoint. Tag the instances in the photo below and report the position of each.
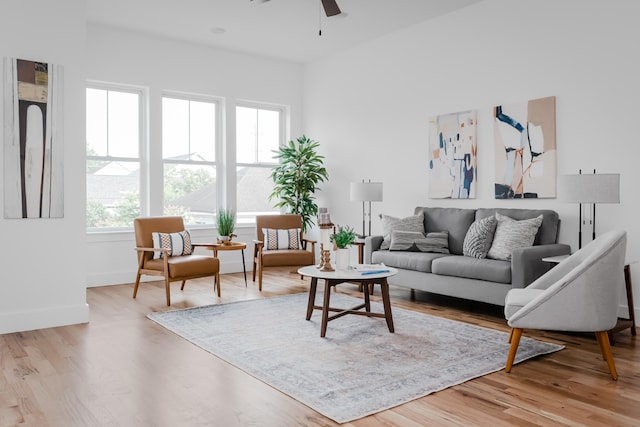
(124, 370)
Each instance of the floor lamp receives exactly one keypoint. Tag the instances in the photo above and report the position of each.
(366, 192)
(591, 189)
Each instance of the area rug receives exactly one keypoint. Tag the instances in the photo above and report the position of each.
(359, 368)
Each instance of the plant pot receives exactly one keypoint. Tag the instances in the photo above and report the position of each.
(342, 259)
(225, 240)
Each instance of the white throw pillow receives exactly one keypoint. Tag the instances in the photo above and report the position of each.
(179, 243)
(275, 239)
(511, 234)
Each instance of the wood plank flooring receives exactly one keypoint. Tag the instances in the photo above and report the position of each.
(124, 370)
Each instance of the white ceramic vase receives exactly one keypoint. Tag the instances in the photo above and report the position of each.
(342, 259)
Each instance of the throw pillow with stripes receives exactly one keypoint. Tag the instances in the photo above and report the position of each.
(281, 239)
(179, 243)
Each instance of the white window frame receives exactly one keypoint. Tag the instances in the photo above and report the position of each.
(284, 117)
(142, 158)
(218, 164)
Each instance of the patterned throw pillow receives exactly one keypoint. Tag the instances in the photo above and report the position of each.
(479, 237)
(281, 239)
(413, 241)
(411, 223)
(179, 243)
(511, 234)
(436, 241)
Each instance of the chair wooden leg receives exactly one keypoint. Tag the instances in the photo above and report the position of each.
(510, 336)
(182, 286)
(260, 277)
(135, 288)
(515, 341)
(217, 282)
(167, 290)
(603, 338)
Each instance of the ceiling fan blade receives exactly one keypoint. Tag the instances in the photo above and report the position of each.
(331, 7)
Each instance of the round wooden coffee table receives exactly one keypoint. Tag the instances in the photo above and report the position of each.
(333, 278)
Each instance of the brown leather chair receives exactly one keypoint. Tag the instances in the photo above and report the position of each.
(172, 268)
(280, 257)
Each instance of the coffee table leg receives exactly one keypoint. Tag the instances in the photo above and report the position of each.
(312, 297)
(367, 300)
(384, 287)
(325, 308)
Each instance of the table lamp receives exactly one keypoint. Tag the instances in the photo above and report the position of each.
(589, 188)
(366, 192)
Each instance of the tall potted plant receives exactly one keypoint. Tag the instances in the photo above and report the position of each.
(226, 223)
(296, 178)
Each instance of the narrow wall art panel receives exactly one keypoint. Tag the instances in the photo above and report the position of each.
(525, 149)
(33, 140)
(452, 156)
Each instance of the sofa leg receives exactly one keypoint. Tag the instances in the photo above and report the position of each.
(412, 296)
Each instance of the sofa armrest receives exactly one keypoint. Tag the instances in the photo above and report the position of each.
(371, 244)
(527, 264)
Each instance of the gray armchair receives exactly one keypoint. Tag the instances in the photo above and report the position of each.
(578, 295)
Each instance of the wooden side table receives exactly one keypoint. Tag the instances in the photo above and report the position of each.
(232, 246)
(622, 324)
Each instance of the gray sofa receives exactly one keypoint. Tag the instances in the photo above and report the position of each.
(478, 279)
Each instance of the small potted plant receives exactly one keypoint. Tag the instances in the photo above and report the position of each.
(226, 223)
(342, 240)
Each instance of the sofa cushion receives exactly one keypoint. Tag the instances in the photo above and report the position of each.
(454, 220)
(478, 240)
(414, 241)
(473, 268)
(548, 231)
(389, 223)
(511, 234)
(417, 261)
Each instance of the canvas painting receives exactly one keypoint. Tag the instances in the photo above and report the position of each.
(452, 156)
(525, 149)
(33, 150)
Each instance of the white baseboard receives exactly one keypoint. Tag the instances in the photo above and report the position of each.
(49, 317)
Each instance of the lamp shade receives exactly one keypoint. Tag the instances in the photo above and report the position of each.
(366, 191)
(589, 188)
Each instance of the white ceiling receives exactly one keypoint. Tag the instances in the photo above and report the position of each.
(282, 29)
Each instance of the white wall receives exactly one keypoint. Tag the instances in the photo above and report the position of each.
(43, 261)
(369, 106)
(124, 57)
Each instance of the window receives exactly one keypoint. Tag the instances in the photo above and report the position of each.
(189, 135)
(114, 135)
(259, 131)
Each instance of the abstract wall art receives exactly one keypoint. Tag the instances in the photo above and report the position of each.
(33, 144)
(452, 156)
(525, 149)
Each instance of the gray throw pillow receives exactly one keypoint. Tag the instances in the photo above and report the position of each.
(413, 241)
(511, 234)
(479, 237)
(410, 223)
(436, 241)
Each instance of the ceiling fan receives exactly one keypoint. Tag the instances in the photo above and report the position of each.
(330, 6)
